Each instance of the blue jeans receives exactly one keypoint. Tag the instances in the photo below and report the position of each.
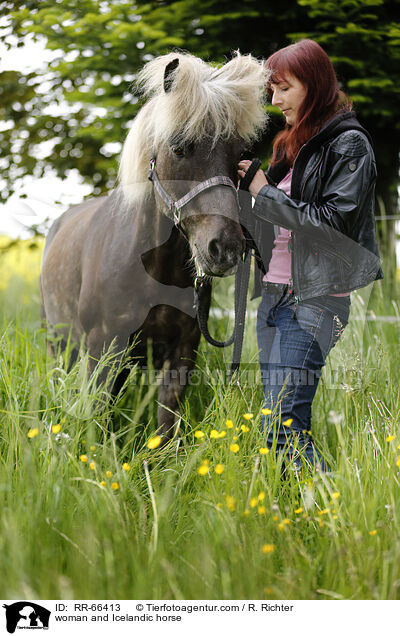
(294, 341)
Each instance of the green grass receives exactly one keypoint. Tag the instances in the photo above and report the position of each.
(169, 532)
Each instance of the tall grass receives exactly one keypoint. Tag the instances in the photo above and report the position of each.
(87, 510)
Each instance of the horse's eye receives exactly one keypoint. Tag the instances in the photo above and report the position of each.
(178, 151)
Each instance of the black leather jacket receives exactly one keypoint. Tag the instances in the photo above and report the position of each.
(330, 212)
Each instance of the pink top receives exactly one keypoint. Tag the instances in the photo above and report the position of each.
(280, 264)
(281, 259)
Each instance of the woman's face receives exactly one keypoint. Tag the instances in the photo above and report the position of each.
(288, 94)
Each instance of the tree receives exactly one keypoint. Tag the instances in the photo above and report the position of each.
(102, 44)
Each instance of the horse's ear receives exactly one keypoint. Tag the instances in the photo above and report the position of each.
(168, 79)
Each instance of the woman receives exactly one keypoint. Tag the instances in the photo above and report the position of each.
(315, 232)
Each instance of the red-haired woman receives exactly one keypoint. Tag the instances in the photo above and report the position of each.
(315, 232)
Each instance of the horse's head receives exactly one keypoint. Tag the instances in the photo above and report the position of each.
(196, 125)
(210, 220)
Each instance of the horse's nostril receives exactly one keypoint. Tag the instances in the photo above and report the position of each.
(224, 253)
(214, 249)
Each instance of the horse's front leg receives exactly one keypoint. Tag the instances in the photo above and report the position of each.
(173, 382)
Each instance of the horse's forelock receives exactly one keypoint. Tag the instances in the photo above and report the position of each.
(223, 101)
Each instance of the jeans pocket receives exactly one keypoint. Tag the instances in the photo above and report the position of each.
(317, 323)
(309, 318)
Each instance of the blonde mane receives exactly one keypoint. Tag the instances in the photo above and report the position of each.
(221, 101)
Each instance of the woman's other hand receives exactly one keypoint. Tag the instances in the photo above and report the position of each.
(259, 178)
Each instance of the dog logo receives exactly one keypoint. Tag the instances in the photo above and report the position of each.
(26, 615)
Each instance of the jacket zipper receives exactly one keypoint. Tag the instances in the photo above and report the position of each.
(291, 279)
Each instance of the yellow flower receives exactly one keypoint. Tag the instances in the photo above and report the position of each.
(298, 511)
(261, 496)
(83, 458)
(219, 505)
(206, 461)
(287, 422)
(230, 502)
(219, 469)
(264, 450)
(126, 466)
(203, 470)
(229, 424)
(390, 438)
(372, 532)
(214, 434)
(114, 485)
(398, 461)
(199, 434)
(286, 522)
(261, 510)
(154, 442)
(222, 434)
(335, 495)
(102, 483)
(267, 548)
(246, 512)
(334, 516)
(234, 448)
(245, 428)
(92, 465)
(109, 473)
(324, 511)
(33, 432)
(275, 518)
(92, 448)
(280, 527)
(266, 411)
(56, 428)
(253, 502)
(248, 416)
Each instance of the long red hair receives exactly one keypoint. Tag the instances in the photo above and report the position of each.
(309, 63)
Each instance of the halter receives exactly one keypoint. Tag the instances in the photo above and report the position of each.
(175, 207)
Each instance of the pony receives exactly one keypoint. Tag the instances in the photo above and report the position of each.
(120, 270)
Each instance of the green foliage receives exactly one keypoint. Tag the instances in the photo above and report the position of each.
(101, 44)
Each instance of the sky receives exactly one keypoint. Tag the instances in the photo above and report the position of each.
(19, 213)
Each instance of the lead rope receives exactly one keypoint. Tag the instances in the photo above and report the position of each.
(202, 285)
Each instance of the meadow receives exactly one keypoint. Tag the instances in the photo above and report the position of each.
(92, 508)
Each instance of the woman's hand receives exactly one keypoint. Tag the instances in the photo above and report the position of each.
(259, 178)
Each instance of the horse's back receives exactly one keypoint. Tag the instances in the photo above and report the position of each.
(81, 213)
